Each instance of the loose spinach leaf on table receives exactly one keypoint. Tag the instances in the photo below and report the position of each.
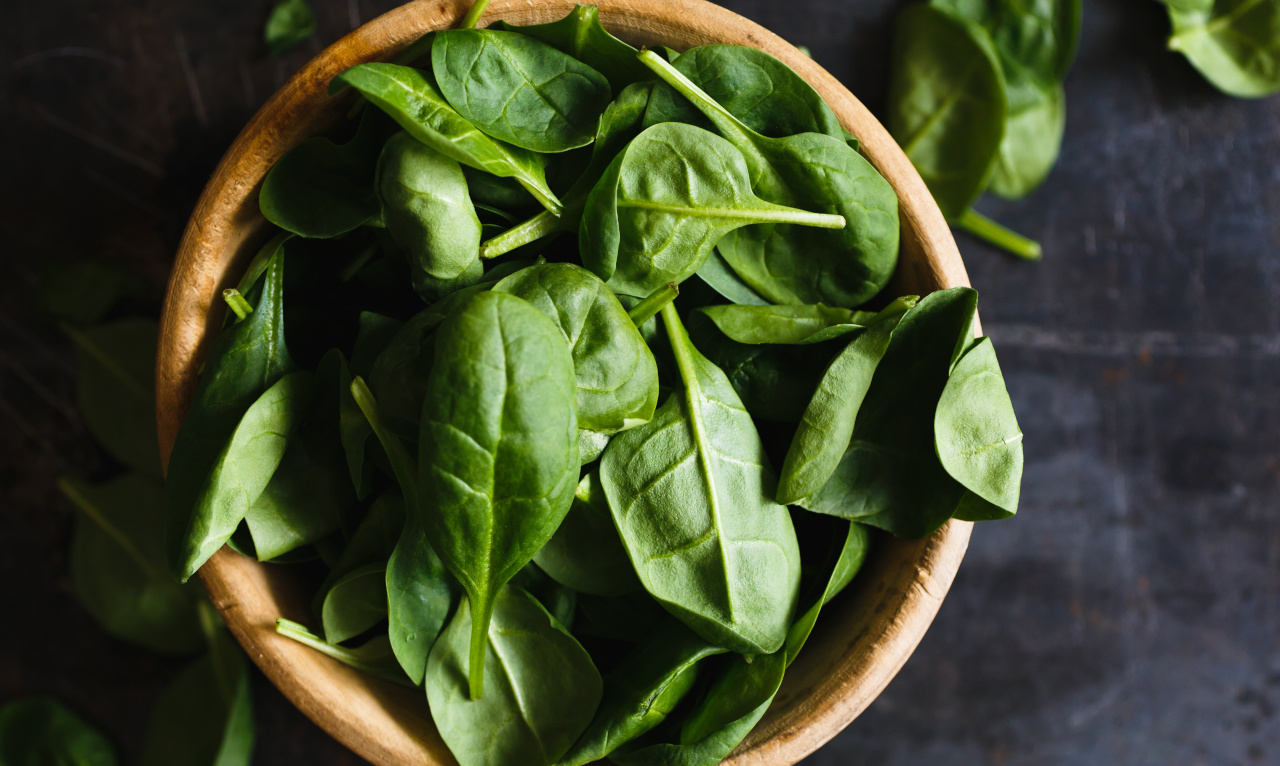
(83, 292)
(412, 100)
(1234, 43)
(843, 266)
(118, 565)
(585, 553)
(428, 211)
(519, 89)
(665, 201)
(42, 731)
(116, 389)
(540, 697)
(616, 376)
(290, 22)
(245, 361)
(355, 603)
(498, 451)
(580, 35)
(689, 492)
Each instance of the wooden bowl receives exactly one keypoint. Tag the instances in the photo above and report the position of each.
(862, 640)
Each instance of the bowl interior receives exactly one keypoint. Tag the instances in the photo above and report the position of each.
(862, 639)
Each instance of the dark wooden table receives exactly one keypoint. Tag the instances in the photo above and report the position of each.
(1129, 615)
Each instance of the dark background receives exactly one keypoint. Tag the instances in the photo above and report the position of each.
(1130, 614)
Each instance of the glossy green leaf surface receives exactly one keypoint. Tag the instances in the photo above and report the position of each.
(717, 273)
(585, 553)
(41, 731)
(581, 35)
(1234, 43)
(541, 693)
(355, 603)
(691, 495)
(519, 89)
(498, 452)
(412, 100)
(118, 567)
(616, 376)
(788, 325)
(1032, 141)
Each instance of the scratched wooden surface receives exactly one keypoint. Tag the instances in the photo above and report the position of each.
(1129, 615)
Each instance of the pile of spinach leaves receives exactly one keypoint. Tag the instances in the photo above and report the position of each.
(572, 372)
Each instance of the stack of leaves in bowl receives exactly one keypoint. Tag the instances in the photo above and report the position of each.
(547, 497)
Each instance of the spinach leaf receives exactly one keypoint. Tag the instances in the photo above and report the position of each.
(118, 568)
(532, 711)
(376, 331)
(411, 98)
(116, 389)
(664, 202)
(559, 600)
(206, 715)
(891, 477)
(616, 376)
(82, 292)
(1234, 43)
(498, 452)
(497, 192)
(1032, 141)
(792, 324)
(290, 22)
(591, 445)
(355, 603)
(519, 89)
(581, 35)
(690, 493)
(429, 213)
(374, 656)
(322, 189)
(976, 433)
(642, 692)
(717, 273)
(373, 542)
(246, 359)
(947, 103)
(813, 171)
(41, 731)
(586, 553)
(707, 752)
(827, 424)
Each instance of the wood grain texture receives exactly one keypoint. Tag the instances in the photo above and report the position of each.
(864, 637)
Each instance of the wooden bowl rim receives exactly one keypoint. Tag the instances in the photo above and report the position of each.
(352, 707)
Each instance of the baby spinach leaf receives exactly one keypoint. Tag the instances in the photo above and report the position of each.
(373, 541)
(616, 376)
(791, 324)
(519, 89)
(206, 715)
(976, 432)
(642, 692)
(947, 104)
(1233, 43)
(290, 22)
(559, 600)
(428, 211)
(116, 389)
(118, 567)
(1032, 141)
(542, 695)
(890, 477)
(827, 424)
(717, 273)
(585, 553)
(376, 331)
(498, 452)
(707, 752)
(411, 98)
(373, 656)
(690, 495)
(664, 202)
(41, 731)
(581, 35)
(591, 445)
(497, 192)
(323, 189)
(355, 603)
(789, 264)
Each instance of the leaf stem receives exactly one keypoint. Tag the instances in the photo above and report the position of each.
(481, 614)
(728, 125)
(473, 14)
(261, 259)
(988, 230)
(237, 303)
(541, 225)
(401, 464)
(646, 309)
(300, 633)
(359, 262)
(69, 490)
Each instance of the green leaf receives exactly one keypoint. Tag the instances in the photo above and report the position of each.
(41, 731)
(581, 35)
(663, 203)
(540, 697)
(691, 495)
(1234, 43)
(412, 100)
(976, 432)
(290, 22)
(116, 389)
(355, 603)
(706, 752)
(498, 453)
(82, 292)
(615, 373)
(586, 553)
(373, 541)
(559, 600)
(374, 656)
(519, 89)
(717, 273)
(591, 445)
(789, 325)
(947, 103)
(828, 420)
(1032, 141)
(118, 566)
